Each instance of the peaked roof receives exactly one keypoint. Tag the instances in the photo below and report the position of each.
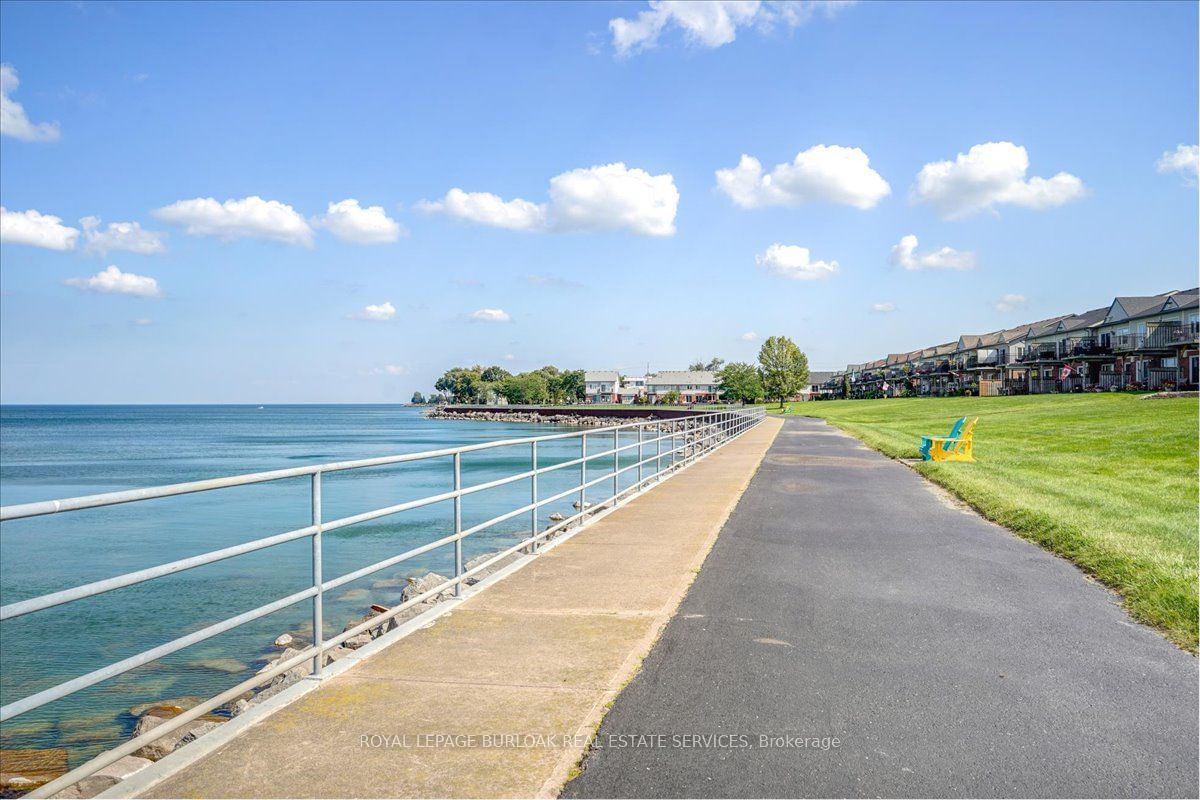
(1139, 306)
(1087, 319)
(1188, 298)
(596, 375)
(681, 377)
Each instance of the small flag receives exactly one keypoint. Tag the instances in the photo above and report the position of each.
(885, 386)
(1066, 371)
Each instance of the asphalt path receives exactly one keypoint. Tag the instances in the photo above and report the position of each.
(855, 632)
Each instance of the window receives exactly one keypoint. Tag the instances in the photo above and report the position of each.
(1170, 362)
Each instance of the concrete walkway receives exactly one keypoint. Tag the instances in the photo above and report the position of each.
(538, 656)
(849, 598)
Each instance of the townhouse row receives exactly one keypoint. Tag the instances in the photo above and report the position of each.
(609, 386)
(1147, 342)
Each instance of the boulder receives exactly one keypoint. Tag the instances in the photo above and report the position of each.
(195, 733)
(180, 703)
(284, 640)
(106, 778)
(166, 744)
(355, 642)
(556, 517)
(418, 586)
(25, 770)
(337, 654)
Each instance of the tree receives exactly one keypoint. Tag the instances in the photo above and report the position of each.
(846, 387)
(528, 388)
(569, 386)
(740, 382)
(494, 374)
(712, 366)
(671, 398)
(418, 399)
(784, 367)
(463, 384)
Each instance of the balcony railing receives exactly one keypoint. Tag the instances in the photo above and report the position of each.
(1043, 351)
(1078, 348)
(1164, 337)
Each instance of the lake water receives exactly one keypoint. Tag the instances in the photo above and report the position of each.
(49, 452)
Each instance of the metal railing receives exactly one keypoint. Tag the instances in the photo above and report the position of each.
(676, 444)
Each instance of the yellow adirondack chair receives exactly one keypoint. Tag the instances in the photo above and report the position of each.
(957, 448)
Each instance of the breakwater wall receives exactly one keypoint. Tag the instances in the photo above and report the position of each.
(561, 415)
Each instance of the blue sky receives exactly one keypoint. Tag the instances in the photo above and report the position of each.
(130, 111)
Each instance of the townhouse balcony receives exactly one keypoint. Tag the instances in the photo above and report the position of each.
(1046, 351)
(1085, 348)
(986, 361)
(1165, 337)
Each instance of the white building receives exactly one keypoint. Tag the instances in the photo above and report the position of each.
(601, 386)
(694, 386)
(631, 389)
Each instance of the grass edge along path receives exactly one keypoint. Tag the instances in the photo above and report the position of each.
(1107, 481)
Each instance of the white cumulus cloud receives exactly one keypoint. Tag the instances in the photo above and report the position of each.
(711, 23)
(486, 208)
(13, 120)
(989, 175)
(791, 261)
(393, 370)
(111, 280)
(605, 197)
(612, 197)
(1184, 159)
(1010, 302)
(491, 315)
(250, 217)
(905, 255)
(36, 229)
(350, 222)
(749, 336)
(129, 236)
(376, 313)
(829, 173)
(883, 308)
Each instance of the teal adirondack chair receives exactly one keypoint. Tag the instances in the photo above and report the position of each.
(927, 441)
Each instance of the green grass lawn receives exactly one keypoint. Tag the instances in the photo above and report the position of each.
(1106, 480)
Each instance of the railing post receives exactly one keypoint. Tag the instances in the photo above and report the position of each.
(583, 474)
(533, 498)
(641, 430)
(616, 462)
(318, 610)
(658, 432)
(458, 555)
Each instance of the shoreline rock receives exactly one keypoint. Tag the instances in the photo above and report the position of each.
(563, 418)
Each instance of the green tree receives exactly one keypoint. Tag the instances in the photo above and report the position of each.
(671, 398)
(494, 374)
(418, 399)
(569, 386)
(846, 386)
(740, 382)
(784, 367)
(528, 388)
(712, 366)
(463, 384)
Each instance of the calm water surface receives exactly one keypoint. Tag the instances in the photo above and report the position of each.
(49, 452)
